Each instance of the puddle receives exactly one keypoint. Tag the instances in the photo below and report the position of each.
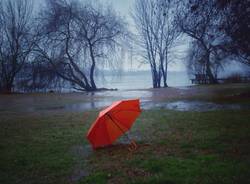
(198, 106)
(149, 100)
(87, 105)
(80, 153)
(48, 108)
(125, 94)
(104, 99)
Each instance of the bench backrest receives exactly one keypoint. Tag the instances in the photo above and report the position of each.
(200, 76)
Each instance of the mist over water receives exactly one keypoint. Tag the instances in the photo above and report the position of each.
(141, 80)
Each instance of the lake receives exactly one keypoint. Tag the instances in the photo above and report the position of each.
(140, 80)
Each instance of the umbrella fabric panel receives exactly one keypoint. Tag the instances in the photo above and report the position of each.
(98, 135)
(128, 105)
(113, 105)
(113, 121)
(114, 129)
(125, 117)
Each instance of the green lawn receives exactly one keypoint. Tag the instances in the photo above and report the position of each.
(174, 147)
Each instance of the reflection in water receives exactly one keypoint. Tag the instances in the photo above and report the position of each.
(107, 98)
(80, 153)
(125, 94)
(177, 105)
(198, 106)
(149, 99)
(87, 105)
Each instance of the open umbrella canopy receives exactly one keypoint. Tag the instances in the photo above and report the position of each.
(113, 121)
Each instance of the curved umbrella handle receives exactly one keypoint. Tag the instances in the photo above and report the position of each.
(133, 146)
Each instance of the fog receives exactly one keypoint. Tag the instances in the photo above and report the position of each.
(53, 44)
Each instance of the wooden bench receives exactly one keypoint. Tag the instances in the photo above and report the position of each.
(200, 79)
(203, 79)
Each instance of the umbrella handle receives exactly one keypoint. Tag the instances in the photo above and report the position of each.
(133, 146)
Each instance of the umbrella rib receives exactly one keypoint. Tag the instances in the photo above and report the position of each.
(117, 126)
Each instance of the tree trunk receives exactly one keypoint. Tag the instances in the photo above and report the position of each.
(92, 69)
(153, 78)
(212, 79)
(165, 80)
(7, 87)
(165, 73)
(165, 76)
(159, 79)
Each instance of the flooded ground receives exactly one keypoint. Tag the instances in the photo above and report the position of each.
(189, 98)
(198, 106)
(45, 127)
(81, 153)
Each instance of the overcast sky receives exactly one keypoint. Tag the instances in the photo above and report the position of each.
(124, 8)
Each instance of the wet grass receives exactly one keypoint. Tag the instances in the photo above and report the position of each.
(181, 147)
(38, 149)
(175, 147)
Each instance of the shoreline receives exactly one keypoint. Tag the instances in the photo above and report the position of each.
(45, 102)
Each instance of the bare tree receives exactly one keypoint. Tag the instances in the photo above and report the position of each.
(200, 22)
(142, 16)
(101, 30)
(16, 39)
(234, 23)
(38, 76)
(154, 21)
(196, 60)
(76, 37)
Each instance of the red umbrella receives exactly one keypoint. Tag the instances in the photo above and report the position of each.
(113, 121)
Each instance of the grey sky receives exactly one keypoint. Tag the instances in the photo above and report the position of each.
(124, 8)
